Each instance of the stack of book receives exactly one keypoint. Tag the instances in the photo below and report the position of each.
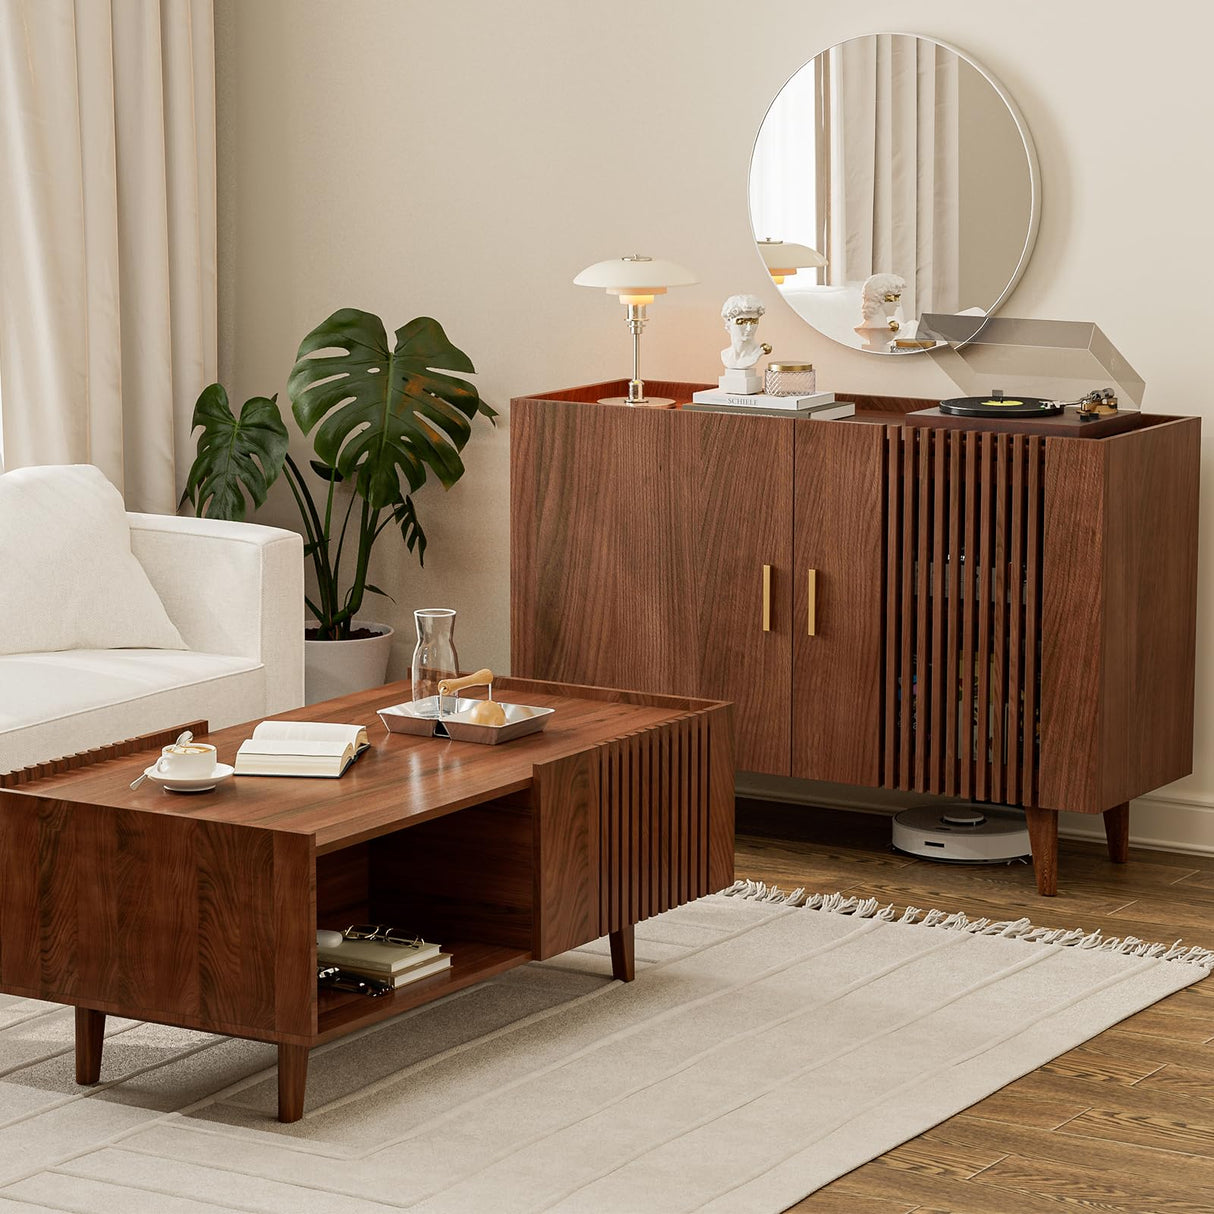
(819, 405)
(398, 964)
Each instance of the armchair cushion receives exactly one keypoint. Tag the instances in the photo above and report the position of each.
(68, 579)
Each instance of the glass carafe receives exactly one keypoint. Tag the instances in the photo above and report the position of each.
(434, 659)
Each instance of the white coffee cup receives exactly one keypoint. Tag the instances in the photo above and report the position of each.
(186, 761)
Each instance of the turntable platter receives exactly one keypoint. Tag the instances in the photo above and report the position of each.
(997, 405)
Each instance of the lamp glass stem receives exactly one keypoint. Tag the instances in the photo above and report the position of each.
(636, 322)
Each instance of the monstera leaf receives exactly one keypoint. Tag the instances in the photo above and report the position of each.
(235, 455)
(384, 415)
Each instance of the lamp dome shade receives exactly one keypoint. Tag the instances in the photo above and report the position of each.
(635, 273)
(780, 255)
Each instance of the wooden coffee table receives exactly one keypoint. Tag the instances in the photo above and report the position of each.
(200, 910)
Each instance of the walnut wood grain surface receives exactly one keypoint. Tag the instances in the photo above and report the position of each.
(1119, 625)
(839, 533)
(638, 554)
(401, 779)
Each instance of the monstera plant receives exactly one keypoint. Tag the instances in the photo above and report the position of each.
(381, 419)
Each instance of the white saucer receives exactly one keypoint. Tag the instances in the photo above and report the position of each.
(190, 784)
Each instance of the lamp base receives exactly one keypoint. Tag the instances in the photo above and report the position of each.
(650, 402)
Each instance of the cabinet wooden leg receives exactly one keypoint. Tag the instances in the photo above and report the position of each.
(90, 1037)
(1043, 839)
(623, 954)
(1117, 831)
(292, 1081)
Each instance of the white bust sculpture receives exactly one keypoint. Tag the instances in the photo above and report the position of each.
(741, 316)
(881, 310)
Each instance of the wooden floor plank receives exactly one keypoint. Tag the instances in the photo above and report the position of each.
(1169, 1133)
(1136, 1102)
(1024, 1105)
(1189, 1081)
(1093, 1063)
(1122, 1042)
(882, 1179)
(1098, 1188)
(925, 1154)
(1071, 1149)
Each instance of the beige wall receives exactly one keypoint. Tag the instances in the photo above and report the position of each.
(466, 159)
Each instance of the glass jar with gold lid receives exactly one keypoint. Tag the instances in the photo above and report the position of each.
(790, 379)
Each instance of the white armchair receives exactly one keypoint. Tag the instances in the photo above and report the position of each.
(234, 592)
(231, 588)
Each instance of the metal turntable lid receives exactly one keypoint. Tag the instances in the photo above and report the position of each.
(1052, 359)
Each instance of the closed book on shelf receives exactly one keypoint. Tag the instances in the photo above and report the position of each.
(376, 957)
(300, 748)
(411, 973)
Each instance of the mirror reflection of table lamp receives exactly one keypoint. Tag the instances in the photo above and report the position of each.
(783, 258)
(636, 280)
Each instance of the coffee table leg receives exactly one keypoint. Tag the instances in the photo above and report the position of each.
(90, 1037)
(292, 1081)
(623, 954)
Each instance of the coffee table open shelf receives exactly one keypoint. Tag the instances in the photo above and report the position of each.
(201, 910)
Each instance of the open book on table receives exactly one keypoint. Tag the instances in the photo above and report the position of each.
(300, 748)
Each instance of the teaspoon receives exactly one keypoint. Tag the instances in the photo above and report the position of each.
(183, 738)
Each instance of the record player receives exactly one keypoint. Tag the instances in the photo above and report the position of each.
(1094, 414)
(1099, 402)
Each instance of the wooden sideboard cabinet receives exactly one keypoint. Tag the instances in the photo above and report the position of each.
(1003, 614)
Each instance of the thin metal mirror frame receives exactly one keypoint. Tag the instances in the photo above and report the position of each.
(1030, 150)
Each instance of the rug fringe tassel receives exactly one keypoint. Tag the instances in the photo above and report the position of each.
(1020, 929)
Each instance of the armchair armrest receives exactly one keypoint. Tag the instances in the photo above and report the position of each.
(231, 588)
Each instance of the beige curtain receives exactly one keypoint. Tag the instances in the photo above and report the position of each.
(107, 236)
(894, 171)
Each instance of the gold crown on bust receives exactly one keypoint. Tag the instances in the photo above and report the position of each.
(742, 305)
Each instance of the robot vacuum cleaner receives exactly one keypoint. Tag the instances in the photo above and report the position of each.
(962, 834)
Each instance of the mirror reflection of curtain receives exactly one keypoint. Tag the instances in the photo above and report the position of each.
(894, 194)
(787, 200)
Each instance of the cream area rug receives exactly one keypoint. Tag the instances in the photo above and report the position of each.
(769, 1044)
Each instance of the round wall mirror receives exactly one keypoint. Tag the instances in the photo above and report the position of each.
(893, 179)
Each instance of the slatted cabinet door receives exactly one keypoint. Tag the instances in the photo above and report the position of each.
(838, 603)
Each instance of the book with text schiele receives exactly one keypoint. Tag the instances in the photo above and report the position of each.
(300, 748)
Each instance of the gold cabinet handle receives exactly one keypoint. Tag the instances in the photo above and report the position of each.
(766, 598)
(812, 614)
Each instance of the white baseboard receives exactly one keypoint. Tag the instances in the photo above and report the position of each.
(1157, 822)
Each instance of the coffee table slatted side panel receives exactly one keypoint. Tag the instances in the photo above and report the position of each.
(197, 923)
(98, 754)
(645, 823)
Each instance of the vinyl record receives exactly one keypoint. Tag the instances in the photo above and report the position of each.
(1001, 406)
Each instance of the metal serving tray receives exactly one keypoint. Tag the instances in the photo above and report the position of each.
(418, 717)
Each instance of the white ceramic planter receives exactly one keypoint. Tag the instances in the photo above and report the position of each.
(336, 668)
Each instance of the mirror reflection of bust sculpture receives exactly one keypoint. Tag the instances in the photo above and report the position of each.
(741, 315)
(881, 310)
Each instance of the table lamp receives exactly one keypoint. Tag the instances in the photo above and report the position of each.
(782, 258)
(636, 280)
